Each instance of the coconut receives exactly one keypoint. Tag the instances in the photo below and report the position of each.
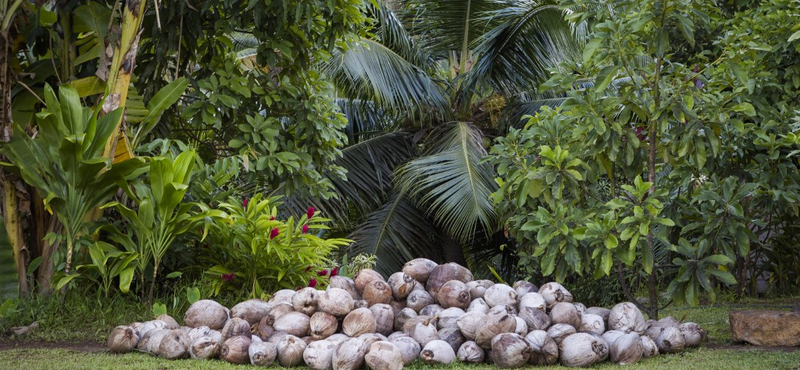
(667, 322)
(396, 334)
(418, 299)
(478, 304)
(402, 317)
(364, 277)
(599, 311)
(337, 338)
(544, 350)
(234, 327)
(477, 288)
(204, 347)
(384, 356)
(626, 317)
(290, 351)
(419, 269)
(670, 341)
(560, 331)
(282, 296)
(262, 353)
(443, 273)
(580, 307)
(368, 338)
(554, 293)
(452, 336)
(611, 336)
(500, 294)
(277, 311)
(318, 355)
(535, 318)
(592, 323)
(305, 301)
(198, 332)
(335, 301)
(523, 287)
(470, 352)
(431, 310)
(649, 347)
(361, 304)
(565, 313)
(583, 350)
(174, 345)
(345, 283)
(358, 322)
(322, 325)
(401, 284)
(123, 339)
(627, 349)
(470, 322)
(377, 291)
(448, 317)
(234, 349)
(422, 329)
(510, 350)
(522, 327)
(533, 300)
(494, 323)
(251, 310)
(692, 334)
(349, 355)
(152, 340)
(137, 327)
(409, 348)
(264, 330)
(151, 325)
(453, 294)
(653, 332)
(167, 319)
(438, 352)
(384, 318)
(293, 323)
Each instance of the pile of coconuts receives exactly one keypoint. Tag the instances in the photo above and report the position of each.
(436, 313)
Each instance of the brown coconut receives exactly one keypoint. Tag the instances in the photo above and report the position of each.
(554, 293)
(583, 350)
(305, 301)
(206, 312)
(510, 351)
(293, 323)
(649, 347)
(419, 269)
(335, 301)
(377, 291)
(402, 317)
(627, 349)
(153, 340)
(174, 345)
(592, 323)
(322, 325)
(409, 348)
(523, 287)
(349, 355)
(418, 300)
(383, 355)
(448, 318)
(535, 318)
(626, 317)
(599, 311)
(470, 322)
(278, 310)
(171, 323)
(565, 313)
(453, 293)
(692, 334)
(401, 284)
(477, 288)
(234, 327)
(359, 321)
(452, 336)
(494, 323)
(235, 349)
(123, 339)
(262, 353)
(318, 355)
(544, 350)
(500, 295)
(560, 331)
(670, 341)
(364, 278)
(611, 336)
(345, 283)
(431, 310)
(384, 318)
(205, 347)
(290, 351)
(251, 310)
(470, 352)
(443, 273)
(478, 304)
(264, 330)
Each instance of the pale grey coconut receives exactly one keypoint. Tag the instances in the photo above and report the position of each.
(361, 304)
(653, 332)
(452, 336)
(500, 295)
(477, 288)
(384, 318)
(204, 348)
(418, 299)
(592, 323)
(469, 323)
(626, 316)
(565, 313)
(349, 355)
(137, 327)
(667, 322)
(478, 304)
(544, 350)
(403, 316)
(443, 273)
(251, 310)
(282, 296)
(322, 325)
(510, 350)
(599, 311)
(344, 283)
(397, 334)
(560, 331)
(431, 310)
(422, 329)
(448, 317)
(234, 350)
(383, 355)
(470, 352)
(364, 277)
(401, 284)
(305, 301)
(649, 347)
(293, 323)
(377, 291)
(523, 287)
(234, 327)
(290, 351)
(174, 345)
(318, 355)
(438, 352)
(397, 306)
(494, 323)
(154, 340)
(335, 301)
(670, 341)
(554, 293)
(692, 334)
(262, 353)
(151, 325)
(337, 338)
(611, 336)
(409, 348)
(169, 321)
(276, 337)
(583, 350)
(419, 269)
(195, 333)
(277, 311)
(359, 321)
(522, 327)
(535, 318)
(453, 294)
(264, 330)
(533, 300)
(368, 338)
(627, 349)
(123, 339)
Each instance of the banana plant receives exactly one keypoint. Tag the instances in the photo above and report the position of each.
(65, 162)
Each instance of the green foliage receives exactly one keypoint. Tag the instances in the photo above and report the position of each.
(108, 263)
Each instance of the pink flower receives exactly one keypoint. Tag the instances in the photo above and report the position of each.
(272, 218)
(335, 271)
(305, 229)
(322, 273)
(308, 268)
(244, 204)
(229, 276)
(274, 233)
(310, 212)
(312, 283)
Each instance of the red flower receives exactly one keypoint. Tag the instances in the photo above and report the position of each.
(272, 218)
(308, 268)
(312, 283)
(310, 212)
(244, 203)
(305, 229)
(335, 271)
(229, 276)
(274, 233)
(322, 273)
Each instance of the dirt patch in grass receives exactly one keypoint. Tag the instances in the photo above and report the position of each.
(91, 347)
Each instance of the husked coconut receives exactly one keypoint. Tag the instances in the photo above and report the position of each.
(282, 296)
(322, 325)
(264, 330)
(262, 353)
(277, 311)
(478, 304)
(535, 318)
(477, 288)
(234, 327)
(565, 313)
(494, 323)
(422, 329)
(653, 332)
(276, 337)
(448, 317)
(305, 301)
(443, 273)
(337, 338)
(612, 335)
(403, 316)
(692, 334)
(418, 299)
(368, 338)
(349, 355)
(469, 323)
(153, 340)
(470, 352)
(401, 284)
(544, 350)
(522, 327)
(174, 345)
(123, 339)
(419, 269)
(318, 355)
(670, 341)
(293, 323)
(580, 307)
(397, 306)
(667, 322)
(510, 350)
(204, 348)
(137, 327)
(523, 287)
(431, 310)
(397, 334)
(409, 348)
(195, 333)
(592, 323)
(358, 322)
(649, 347)
(251, 310)
(361, 304)
(599, 311)
(384, 318)
(335, 301)
(452, 336)
(627, 349)
(290, 351)
(438, 352)
(167, 319)
(364, 278)
(151, 325)
(453, 294)
(377, 291)
(554, 293)
(532, 299)
(383, 355)
(345, 283)
(234, 350)
(626, 316)
(583, 350)
(560, 331)
(500, 294)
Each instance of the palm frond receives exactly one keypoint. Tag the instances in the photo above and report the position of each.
(391, 32)
(365, 120)
(452, 184)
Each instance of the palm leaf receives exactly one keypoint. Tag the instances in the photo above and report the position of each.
(365, 120)
(391, 32)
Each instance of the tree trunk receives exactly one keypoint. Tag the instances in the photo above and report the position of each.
(652, 285)
(453, 251)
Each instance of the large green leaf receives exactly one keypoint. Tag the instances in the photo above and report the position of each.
(163, 99)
